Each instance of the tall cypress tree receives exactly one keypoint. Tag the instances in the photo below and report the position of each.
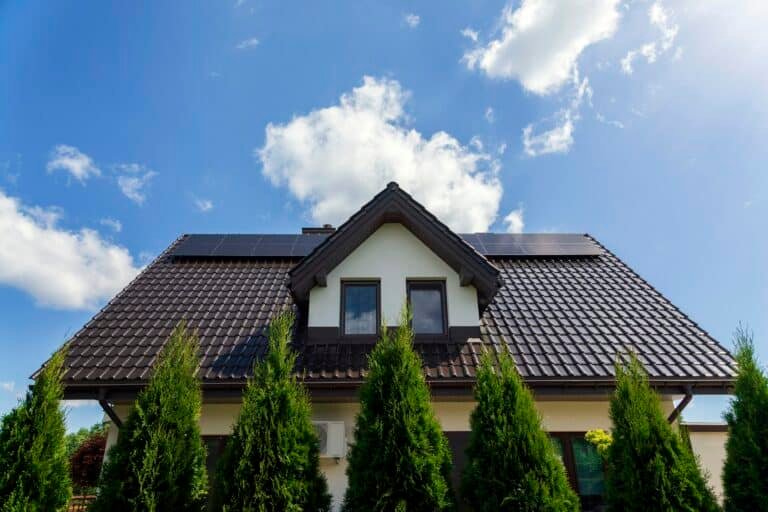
(34, 472)
(271, 462)
(745, 475)
(649, 467)
(511, 463)
(158, 463)
(400, 459)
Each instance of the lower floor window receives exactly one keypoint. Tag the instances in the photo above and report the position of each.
(584, 466)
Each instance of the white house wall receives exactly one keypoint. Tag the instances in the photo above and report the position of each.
(557, 416)
(393, 255)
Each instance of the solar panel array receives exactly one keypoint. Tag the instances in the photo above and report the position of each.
(545, 244)
(298, 246)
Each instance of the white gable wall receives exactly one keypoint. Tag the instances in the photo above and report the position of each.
(392, 254)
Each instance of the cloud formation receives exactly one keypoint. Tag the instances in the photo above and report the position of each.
(59, 268)
(412, 20)
(540, 42)
(334, 159)
(514, 221)
(204, 205)
(133, 181)
(247, 43)
(557, 136)
(660, 18)
(71, 160)
(113, 224)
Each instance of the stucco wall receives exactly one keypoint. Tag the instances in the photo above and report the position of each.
(710, 447)
(557, 416)
(393, 255)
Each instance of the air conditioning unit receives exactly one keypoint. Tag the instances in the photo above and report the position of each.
(332, 437)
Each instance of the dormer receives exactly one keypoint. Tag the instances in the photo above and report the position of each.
(390, 251)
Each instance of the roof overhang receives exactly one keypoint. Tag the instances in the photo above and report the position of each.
(442, 389)
(394, 205)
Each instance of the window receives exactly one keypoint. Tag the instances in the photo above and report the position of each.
(427, 300)
(584, 467)
(360, 308)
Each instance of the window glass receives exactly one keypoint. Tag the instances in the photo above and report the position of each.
(557, 444)
(427, 307)
(360, 307)
(589, 468)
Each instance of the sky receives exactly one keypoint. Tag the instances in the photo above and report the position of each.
(126, 124)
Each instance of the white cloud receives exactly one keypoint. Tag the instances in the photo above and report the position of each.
(72, 160)
(247, 43)
(59, 268)
(611, 122)
(8, 386)
(133, 181)
(335, 159)
(490, 115)
(540, 42)
(660, 18)
(74, 404)
(514, 221)
(412, 20)
(113, 224)
(470, 34)
(204, 205)
(558, 136)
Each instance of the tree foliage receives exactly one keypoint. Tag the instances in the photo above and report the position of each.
(649, 467)
(158, 462)
(511, 463)
(33, 459)
(85, 462)
(271, 461)
(745, 475)
(75, 439)
(400, 459)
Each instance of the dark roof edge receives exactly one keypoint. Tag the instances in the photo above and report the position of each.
(395, 205)
(123, 391)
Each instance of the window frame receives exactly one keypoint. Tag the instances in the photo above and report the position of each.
(342, 308)
(569, 461)
(438, 284)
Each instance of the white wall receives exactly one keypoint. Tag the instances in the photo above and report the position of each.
(557, 416)
(710, 447)
(393, 255)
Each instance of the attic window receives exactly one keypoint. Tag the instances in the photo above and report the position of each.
(360, 311)
(427, 300)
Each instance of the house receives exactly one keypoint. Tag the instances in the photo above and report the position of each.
(563, 305)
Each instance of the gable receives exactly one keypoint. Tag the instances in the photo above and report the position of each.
(393, 255)
(394, 205)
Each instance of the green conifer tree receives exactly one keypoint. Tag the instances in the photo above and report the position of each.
(400, 459)
(158, 462)
(271, 461)
(745, 475)
(511, 463)
(649, 467)
(34, 471)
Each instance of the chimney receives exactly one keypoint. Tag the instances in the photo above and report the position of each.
(327, 229)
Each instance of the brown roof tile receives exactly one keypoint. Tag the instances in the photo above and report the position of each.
(563, 319)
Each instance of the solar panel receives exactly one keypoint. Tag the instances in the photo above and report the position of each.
(298, 246)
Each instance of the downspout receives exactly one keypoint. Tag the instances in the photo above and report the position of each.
(108, 410)
(682, 405)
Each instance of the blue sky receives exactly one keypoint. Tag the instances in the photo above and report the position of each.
(123, 125)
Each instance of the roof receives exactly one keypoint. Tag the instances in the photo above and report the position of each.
(394, 205)
(564, 319)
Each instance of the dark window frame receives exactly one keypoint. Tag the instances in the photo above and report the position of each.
(569, 461)
(430, 284)
(342, 309)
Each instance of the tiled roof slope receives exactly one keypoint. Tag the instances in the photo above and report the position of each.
(564, 320)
